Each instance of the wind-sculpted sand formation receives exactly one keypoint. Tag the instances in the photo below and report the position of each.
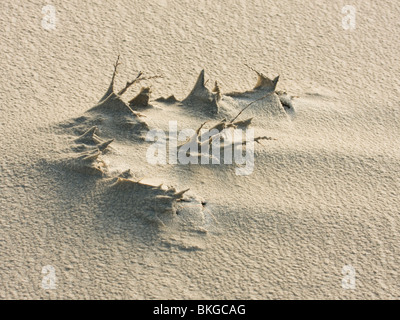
(112, 122)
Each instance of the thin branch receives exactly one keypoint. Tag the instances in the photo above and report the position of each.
(195, 137)
(137, 79)
(117, 63)
(258, 139)
(264, 138)
(252, 69)
(201, 127)
(250, 105)
(152, 77)
(129, 83)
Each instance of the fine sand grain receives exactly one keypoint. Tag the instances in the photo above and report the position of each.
(317, 218)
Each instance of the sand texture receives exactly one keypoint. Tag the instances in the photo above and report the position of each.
(81, 203)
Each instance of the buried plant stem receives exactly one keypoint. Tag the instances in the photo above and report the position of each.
(129, 83)
(201, 127)
(252, 69)
(137, 79)
(250, 105)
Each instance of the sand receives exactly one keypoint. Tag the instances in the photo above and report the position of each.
(318, 218)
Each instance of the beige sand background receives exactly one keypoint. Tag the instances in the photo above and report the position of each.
(323, 196)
